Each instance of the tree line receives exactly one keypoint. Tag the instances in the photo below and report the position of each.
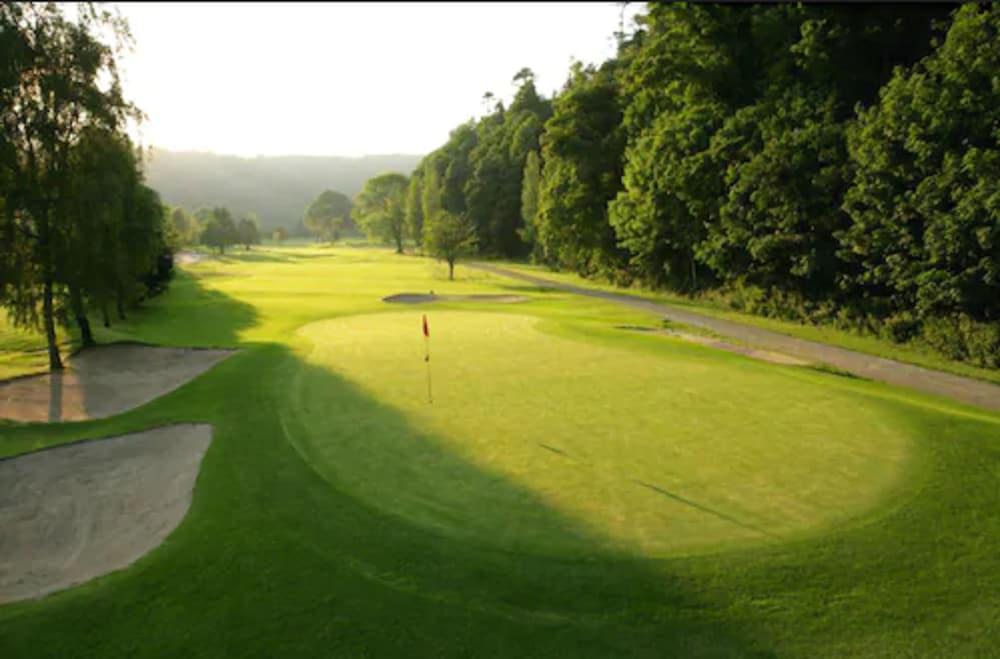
(80, 232)
(214, 227)
(825, 163)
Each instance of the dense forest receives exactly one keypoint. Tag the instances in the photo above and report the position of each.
(80, 231)
(278, 189)
(827, 163)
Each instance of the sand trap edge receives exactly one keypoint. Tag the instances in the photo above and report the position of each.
(158, 467)
(425, 298)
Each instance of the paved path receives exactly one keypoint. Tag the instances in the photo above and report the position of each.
(963, 389)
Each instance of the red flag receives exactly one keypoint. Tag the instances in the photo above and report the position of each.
(427, 332)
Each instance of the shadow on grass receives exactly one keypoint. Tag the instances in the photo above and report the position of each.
(280, 555)
(417, 536)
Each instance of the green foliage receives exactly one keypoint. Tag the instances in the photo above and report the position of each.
(79, 227)
(925, 204)
(380, 208)
(327, 215)
(220, 230)
(279, 235)
(248, 231)
(530, 183)
(449, 236)
(414, 211)
(185, 226)
(582, 155)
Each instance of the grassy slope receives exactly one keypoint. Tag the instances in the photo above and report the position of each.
(274, 560)
(911, 353)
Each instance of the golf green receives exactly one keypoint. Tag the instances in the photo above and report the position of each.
(647, 447)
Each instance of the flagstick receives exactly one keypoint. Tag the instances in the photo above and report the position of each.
(427, 360)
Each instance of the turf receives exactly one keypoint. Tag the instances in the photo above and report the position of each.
(338, 514)
(912, 352)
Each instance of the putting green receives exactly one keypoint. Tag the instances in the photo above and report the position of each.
(642, 444)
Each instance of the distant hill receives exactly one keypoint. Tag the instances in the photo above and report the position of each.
(277, 188)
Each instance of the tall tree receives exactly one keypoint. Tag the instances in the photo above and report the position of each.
(414, 207)
(530, 183)
(379, 208)
(59, 78)
(582, 152)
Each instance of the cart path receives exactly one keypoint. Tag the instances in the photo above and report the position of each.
(963, 389)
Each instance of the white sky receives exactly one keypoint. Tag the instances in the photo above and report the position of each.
(343, 78)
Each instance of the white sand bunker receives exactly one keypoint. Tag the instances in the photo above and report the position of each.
(104, 381)
(422, 298)
(762, 355)
(73, 513)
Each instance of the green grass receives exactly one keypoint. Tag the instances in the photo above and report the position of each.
(911, 353)
(574, 490)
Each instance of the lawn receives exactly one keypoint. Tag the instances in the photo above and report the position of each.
(911, 353)
(573, 490)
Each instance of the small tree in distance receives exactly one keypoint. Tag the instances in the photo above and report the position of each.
(248, 232)
(448, 236)
(220, 230)
(279, 235)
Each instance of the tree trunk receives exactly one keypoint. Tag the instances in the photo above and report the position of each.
(76, 302)
(104, 312)
(399, 244)
(55, 363)
(120, 303)
(451, 269)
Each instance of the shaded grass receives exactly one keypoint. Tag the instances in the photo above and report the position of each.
(274, 559)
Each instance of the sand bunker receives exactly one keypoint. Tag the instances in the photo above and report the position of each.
(72, 513)
(188, 258)
(422, 298)
(104, 381)
(763, 355)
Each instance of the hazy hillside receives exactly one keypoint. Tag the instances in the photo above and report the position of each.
(277, 188)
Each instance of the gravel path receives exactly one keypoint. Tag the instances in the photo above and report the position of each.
(963, 389)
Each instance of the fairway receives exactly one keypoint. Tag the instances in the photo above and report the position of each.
(575, 489)
(645, 446)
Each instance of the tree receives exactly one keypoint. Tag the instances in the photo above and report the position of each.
(582, 153)
(449, 236)
(379, 208)
(414, 212)
(220, 230)
(248, 232)
(924, 202)
(279, 235)
(529, 202)
(59, 78)
(186, 226)
(327, 214)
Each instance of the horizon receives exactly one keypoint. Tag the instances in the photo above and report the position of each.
(324, 84)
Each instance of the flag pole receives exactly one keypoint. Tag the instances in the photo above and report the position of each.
(427, 358)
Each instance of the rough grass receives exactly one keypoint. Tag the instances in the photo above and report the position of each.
(911, 353)
(331, 515)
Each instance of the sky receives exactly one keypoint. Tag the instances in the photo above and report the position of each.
(346, 79)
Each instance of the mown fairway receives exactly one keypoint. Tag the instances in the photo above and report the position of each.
(573, 490)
